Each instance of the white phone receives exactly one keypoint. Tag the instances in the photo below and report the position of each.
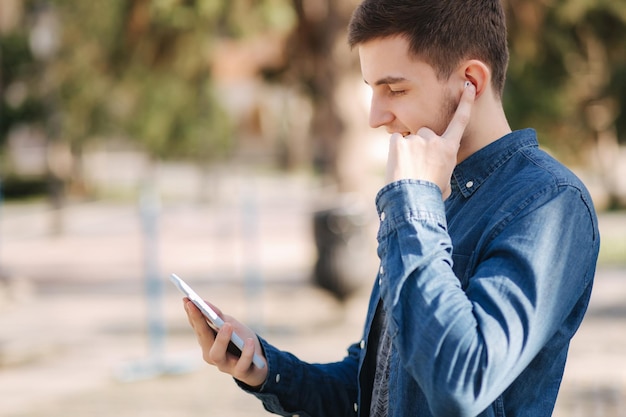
(213, 319)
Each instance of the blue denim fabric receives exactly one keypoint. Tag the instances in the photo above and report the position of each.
(482, 293)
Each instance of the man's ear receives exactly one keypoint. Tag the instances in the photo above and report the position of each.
(478, 73)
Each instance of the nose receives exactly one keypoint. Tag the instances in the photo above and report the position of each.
(379, 113)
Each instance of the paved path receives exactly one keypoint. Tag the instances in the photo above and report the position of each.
(74, 320)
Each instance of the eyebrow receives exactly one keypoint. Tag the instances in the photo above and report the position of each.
(388, 80)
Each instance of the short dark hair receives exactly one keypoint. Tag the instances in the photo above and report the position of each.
(441, 32)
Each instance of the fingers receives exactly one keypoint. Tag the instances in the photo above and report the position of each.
(427, 134)
(204, 333)
(218, 354)
(242, 367)
(462, 115)
(239, 366)
(216, 346)
(396, 144)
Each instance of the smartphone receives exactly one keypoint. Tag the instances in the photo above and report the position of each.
(213, 319)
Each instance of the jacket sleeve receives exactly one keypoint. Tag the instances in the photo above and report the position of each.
(464, 347)
(294, 387)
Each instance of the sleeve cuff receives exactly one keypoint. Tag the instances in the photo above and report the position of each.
(409, 199)
(280, 375)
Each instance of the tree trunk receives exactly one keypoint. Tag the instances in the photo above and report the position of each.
(320, 61)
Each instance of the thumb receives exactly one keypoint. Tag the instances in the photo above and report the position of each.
(426, 133)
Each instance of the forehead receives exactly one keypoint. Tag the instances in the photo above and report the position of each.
(389, 58)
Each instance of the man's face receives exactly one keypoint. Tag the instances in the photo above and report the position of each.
(406, 93)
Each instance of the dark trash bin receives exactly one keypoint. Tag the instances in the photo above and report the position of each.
(342, 250)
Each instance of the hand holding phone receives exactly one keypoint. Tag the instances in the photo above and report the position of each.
(213, 319)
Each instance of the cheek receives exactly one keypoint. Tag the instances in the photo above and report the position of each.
(446, 113)
(450, 105)
(423, 113)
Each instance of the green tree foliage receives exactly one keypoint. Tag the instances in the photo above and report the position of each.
(16, 105)
(139, 69)
(567, 75)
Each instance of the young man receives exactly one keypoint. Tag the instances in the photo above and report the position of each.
(487, 245)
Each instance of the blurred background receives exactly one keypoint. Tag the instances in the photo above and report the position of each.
(227, 141)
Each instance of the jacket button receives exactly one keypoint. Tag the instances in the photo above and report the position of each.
(362, 344)
(356, 407)
(382, 216)
(277, 378)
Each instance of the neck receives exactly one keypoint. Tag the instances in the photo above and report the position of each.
(487, 125)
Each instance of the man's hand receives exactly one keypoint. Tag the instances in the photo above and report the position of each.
(215, 346)
(427, 156)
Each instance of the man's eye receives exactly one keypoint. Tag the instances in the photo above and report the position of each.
(396, 92)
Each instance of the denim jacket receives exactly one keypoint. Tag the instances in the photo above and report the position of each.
(482, 294)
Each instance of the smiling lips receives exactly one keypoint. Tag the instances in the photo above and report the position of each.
(404, 134)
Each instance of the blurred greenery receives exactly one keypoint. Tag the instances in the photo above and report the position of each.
(612, 252)
(17, 63)
(142, 70)
(567, 56)
(137, 69)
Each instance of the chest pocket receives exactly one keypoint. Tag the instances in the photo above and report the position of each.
(461, 268)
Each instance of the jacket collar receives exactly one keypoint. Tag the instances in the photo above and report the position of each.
(469, 175)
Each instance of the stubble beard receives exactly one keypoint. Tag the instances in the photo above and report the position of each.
(448, 109)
